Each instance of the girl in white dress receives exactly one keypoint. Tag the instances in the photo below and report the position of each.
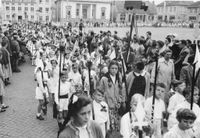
(184, 129)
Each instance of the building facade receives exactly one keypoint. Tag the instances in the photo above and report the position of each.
(87, 10)
(27, 10)
(120, 14)
(194, 12)
(173, 11)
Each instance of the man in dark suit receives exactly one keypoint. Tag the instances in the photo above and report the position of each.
(15, 48)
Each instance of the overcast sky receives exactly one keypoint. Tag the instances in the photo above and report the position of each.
(159, 1)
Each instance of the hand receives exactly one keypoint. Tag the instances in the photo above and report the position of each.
(6, 66)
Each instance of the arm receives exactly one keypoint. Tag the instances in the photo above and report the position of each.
(173, 73)
(39, 80)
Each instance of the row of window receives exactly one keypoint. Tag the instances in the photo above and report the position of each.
(29, 17)
(26, 9)
(173, 18)
(20, 1)
(174, 9)
(168, 9)
(9, 16)
(24, 1)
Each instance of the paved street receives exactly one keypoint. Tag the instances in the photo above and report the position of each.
(19, 121)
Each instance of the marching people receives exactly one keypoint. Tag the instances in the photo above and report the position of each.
(176, 98)
(42, 89)
(187, 104)
(62, 96)
(6, 65)
(2, 87)
(138, 81)
(130, 122)
(100, 111)
(86, 65)
(15, 48)
(112, 86)
(159, 109)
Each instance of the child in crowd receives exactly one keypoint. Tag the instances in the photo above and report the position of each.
(100, 111)
(62, 98)
(176, 98)
(184, 128)
(187, 104)
(159, 108)
(130, 124)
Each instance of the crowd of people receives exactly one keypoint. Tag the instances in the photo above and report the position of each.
(102, 86)
(13, 49)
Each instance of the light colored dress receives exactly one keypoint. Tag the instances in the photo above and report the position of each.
(165, 73)
(176, 132)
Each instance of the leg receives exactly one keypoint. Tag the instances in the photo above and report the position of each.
(39, 109)
(1, 102)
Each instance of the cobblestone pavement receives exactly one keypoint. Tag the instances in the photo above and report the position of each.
(19, 121)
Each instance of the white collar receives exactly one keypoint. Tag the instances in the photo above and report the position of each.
(140, 74)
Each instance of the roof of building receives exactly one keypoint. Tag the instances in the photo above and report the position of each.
(176, 3)
(195, 5)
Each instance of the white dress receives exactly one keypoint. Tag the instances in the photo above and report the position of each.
(176, 132)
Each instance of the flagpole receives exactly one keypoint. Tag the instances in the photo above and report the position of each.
(193, 84)
(154, 88)
(124, 78)
(130, 36)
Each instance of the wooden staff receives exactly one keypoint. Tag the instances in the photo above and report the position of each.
(154, 88)
(130, 36)
(193, 84)
(124, 77)
(60, 67)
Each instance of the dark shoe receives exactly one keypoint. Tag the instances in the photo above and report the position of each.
(17, 70)
(2, 110)
(4, 107)
(7, 83)
(40, 117)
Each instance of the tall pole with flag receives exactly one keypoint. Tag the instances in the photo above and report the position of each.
(196, 70)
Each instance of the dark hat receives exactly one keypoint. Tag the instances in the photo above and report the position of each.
(149, 32)
(175, 83)
(168, 39)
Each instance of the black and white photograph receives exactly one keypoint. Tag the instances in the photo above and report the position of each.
(99, 68)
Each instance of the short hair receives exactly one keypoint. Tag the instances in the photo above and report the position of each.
(186, 114)
(188, 90)
(162, 85)
(113, 62)
(167, 50)
(184, 42)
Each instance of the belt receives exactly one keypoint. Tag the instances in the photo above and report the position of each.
(63, 96)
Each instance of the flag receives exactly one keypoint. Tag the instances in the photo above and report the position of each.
(140, 112)
(113, 55)
(197, 59)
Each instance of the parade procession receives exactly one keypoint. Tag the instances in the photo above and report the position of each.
(99, 80)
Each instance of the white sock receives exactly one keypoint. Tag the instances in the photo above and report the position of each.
(38, 114)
